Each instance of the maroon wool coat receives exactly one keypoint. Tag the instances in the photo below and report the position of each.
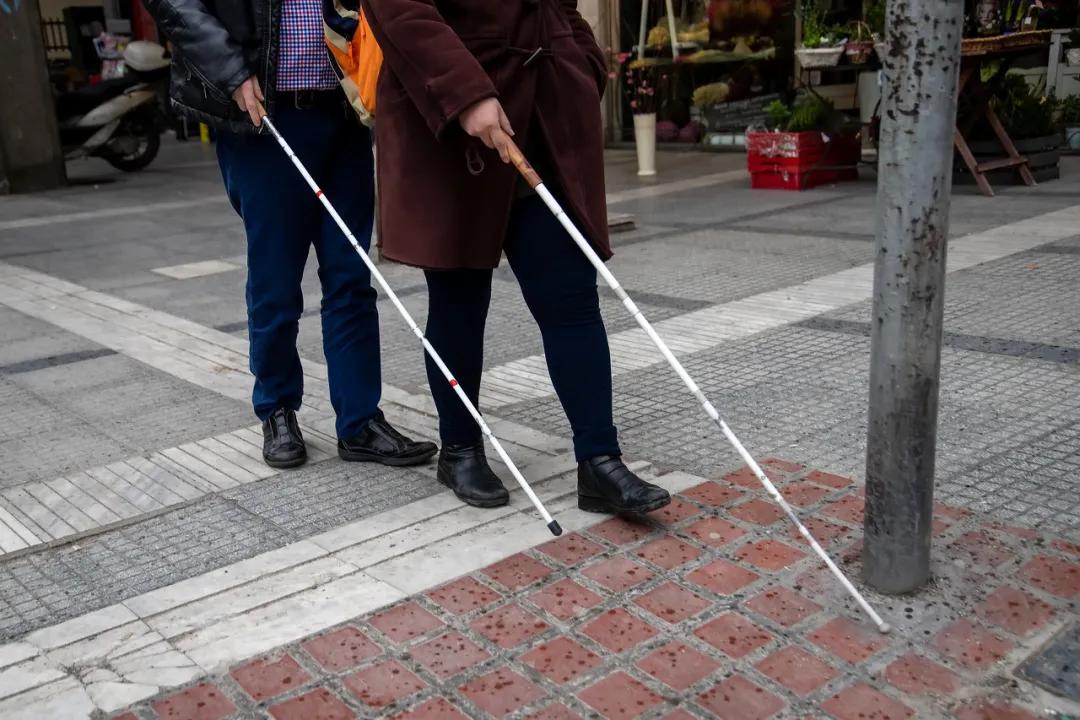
(437, 209)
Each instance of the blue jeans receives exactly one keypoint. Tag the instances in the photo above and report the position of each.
(559, 286)
(283, 219)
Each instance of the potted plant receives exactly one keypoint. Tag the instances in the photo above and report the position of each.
(1028, 116)
(644, 81)
(802, 146)
(819, 47)
(1070, 121)
(1017, 15)
(874, 17)
(708, 102)
(707, 97)
(859, 48)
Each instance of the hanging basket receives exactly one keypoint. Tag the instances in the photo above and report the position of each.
(811, 58)
(858, 51)
(859, 48)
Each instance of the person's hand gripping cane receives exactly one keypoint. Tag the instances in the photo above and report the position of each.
(487, 122)
(249, 98)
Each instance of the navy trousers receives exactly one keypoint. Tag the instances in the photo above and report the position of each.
(559, 286)
(283, 219)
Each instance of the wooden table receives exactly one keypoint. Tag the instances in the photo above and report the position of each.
(974, 54)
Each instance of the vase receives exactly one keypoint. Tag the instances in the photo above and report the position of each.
(645, 140)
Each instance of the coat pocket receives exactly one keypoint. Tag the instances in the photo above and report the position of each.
(486, 47)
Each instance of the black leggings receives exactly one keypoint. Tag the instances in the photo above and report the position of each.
(559, 286)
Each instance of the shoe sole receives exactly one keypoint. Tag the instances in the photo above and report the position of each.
(600, 505)
(389, 461)
(473, 502)
(285, 464)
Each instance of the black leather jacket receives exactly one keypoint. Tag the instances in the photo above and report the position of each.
(217, 45)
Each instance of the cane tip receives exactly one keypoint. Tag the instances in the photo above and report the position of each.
(553, 526)
(884, 628)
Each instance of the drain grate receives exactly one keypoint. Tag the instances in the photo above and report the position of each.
(1056, 666)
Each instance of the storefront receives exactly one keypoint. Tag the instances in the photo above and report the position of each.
(727, 60)
(84, 38)
(713, 68)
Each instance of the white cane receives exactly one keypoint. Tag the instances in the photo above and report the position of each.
(537, 184)
(552, 524)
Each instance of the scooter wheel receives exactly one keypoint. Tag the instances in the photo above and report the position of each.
(148, 141)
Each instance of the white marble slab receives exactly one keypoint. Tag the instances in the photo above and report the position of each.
(81, 627)
(167, 598)
(97, 649)
(16, 652)
(64, 699)
(27, 675)
(244, 598)
(160, 665)
(286, 620)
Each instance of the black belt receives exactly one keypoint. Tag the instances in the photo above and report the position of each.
(307, 99)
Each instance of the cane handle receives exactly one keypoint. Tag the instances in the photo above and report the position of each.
(517, 158)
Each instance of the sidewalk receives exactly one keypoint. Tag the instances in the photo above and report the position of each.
(717, 609)
(146, 551)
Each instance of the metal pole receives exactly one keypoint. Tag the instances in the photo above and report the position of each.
(918, 114)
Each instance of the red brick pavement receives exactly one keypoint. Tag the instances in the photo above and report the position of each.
(714, 610)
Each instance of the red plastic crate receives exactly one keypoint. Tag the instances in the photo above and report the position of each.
(803, 160)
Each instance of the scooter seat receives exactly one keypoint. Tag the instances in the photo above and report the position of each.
(83, 100)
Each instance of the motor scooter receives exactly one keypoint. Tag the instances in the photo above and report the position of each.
(119, 120)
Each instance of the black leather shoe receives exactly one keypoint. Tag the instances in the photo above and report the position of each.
(465, 470)
(606, 485)
(283, 445)
(380, 443)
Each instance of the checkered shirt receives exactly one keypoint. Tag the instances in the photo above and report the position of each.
(302, 60)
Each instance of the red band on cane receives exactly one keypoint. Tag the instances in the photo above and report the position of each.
(318, 193)
(453, 383)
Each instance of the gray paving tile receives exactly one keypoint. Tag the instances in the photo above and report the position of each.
(330, 494)
(1006, 424)
(59, 583)
(27, 344)
(127, 407)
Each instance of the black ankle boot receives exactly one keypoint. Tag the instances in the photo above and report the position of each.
(464, 469)
(283, 445)
(606, 485)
